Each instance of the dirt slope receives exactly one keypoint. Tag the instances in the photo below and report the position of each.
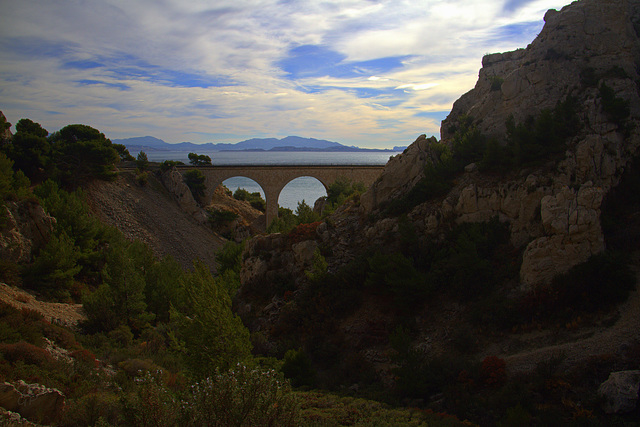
(66, 314)
(149, 213)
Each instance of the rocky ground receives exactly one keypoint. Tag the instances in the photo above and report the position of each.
(66, 314)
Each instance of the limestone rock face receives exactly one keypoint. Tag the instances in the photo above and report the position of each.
(33, 401)
(553, 209)
(174, 182)
(27, 229)
(620, 392)
(571, 220)
(400, 174)
(586, 37)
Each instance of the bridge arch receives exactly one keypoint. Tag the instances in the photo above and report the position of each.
(315, 189)
(273, 178)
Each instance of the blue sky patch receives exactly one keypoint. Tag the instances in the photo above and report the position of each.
(318, 61)
(436, 115)
(511, 6)
(88, 82)
(519, 31)
(36, 47)
(310, 61)
(83, 65)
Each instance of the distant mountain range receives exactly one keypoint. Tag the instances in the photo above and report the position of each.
(290, 143)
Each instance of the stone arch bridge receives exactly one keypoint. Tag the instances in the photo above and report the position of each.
(273, 178)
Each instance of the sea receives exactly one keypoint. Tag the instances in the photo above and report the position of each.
(305, 189)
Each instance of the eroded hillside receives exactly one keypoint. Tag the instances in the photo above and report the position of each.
(151, 214)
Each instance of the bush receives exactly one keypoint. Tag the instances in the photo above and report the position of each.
(151, 403)
(304, 232)
(493, 371)
(27, 353)
(394, 274)
(242, 396)
(297, 367)
(616, 108)
(620, 221)
(254, 199)
(219, 218)
(340, 190)
(600, 283)
(212, 336)
(167, 165)
(142, 178)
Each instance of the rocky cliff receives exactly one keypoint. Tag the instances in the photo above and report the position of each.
(554, 209)
(551, 207)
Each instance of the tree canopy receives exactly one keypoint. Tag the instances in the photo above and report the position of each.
(199, 159)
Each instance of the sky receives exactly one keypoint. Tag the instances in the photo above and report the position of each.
(370, 73)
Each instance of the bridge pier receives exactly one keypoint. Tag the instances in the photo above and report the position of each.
(272, 179)
(271, 197)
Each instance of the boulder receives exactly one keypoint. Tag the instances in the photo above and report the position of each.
(34, 402)
(620, 392)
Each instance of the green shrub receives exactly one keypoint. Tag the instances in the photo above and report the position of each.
(545, 135)
(54, 268)
(96, 408)
(151, 403)
(620, 222)
(142, 178)
(616, 108)
(600, 283)
(27, 353)
(340, 190)
(218, 218)
(298, 369)
(254, 199)
(284, 223)
(230, 257)
(496, 83)
(396, 275)
(167, 165)
(241, 396)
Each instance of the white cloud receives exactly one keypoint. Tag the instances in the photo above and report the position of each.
(242, 41)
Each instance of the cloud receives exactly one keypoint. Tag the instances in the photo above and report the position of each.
(361, 72)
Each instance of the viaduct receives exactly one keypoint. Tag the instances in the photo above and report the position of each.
(273, 178)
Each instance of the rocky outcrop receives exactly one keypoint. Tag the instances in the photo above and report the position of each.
(249, 221)
(34, 402)
(571, 221)
(174, 182)
(620, 392)
(586, 38)
(26, 229)
(400, 174)
(554, 210)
